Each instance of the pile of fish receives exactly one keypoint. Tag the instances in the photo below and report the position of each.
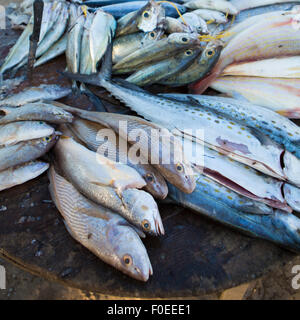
(247, 174)
(26, 134)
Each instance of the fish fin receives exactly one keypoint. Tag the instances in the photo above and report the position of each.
(291, 114)
(200, 86)
(96, 101)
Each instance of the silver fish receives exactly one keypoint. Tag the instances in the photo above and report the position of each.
(33, 94)
(18, 175)
(26, 151)
(100, 230)
(277, 127)
(89, 133)
(151, 142)
(16, 132)
(149, 18)
(165, 68)
(137, 206)
(35, 112)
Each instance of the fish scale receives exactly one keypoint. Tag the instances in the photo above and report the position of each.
(103, 232)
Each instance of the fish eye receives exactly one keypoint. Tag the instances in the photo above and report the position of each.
(149, 177)
(146, 14)
(210, 53)
(184, 39)
(188, 52)
(146, 225)
(152, 34)
(127, 260)
(179, 167)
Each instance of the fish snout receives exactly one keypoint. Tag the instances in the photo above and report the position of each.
(159, 228)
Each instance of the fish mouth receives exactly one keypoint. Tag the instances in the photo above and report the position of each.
(159, 228)
(143, 275)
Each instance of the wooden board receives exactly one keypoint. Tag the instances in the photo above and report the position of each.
(197, 256)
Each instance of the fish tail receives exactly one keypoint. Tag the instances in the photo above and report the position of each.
(291, 113)
(97, 79)
(96, 101)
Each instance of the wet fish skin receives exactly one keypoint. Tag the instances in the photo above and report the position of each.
(254, 116)
(199, 68)
(88, 132)
(157, 51)
(287, 67)
(176, 26)
(85, 55)
(102, 31)
(165, 68)
(127, 44)
(18, 175)
(279, 227)
(110, 237)
(195, 23)
(56, 50)
(136, 206)
(119, 10)
(179, 173)
(35, 112)
(33, 94)
(279, 94)
(26, 151)
(218, 5)
(146, 19)
(211, 15)
(19, 131)
(74, 37)
(268, 38)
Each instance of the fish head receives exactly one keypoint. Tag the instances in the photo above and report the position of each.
(181, 175)
(144, 211)
(183, 39)
(129, 253)
(151, 16)
(189, 54)
(211, 54)
(49, 141)
(156, 184)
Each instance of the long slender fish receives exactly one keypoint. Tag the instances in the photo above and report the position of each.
(157, 51)
(26, 151)
(155, 143)
(35, 112)
(280, 227)
(235, 140)
(199, 68)
(244, 4)
(270, 123)
(268, 38)
(117, 150)
(241, 178)
(119, 10)
(19, 131)
(33, 94)
(165, 68)
(110, 237)
(125, 45)
(18, 175)
(218, 5)
(74, 37)
(278, 94)
(287, 67)
(137, 206)
(102, 31)
(56, 50)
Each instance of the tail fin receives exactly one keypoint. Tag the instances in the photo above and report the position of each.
(200, 86)
(96, 78)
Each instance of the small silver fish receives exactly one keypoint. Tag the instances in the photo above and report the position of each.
(19, 131)
(18, 175)
(35, 112)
